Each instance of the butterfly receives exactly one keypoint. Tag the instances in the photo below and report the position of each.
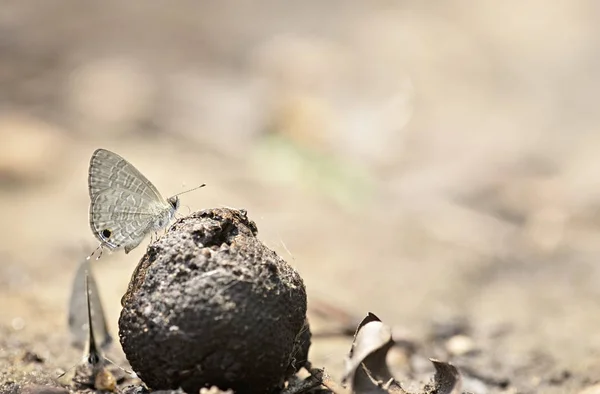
(93, 371)
(84, 286)
(124, 205)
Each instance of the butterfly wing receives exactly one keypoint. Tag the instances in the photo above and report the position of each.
(109, 171)
(121, 218)
(78, 317)
(125, 206)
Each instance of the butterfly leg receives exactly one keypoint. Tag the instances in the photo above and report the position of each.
(158, 235)
(101, 251)
(94, 252)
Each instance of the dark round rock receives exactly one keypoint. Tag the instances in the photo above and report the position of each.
(210, 305)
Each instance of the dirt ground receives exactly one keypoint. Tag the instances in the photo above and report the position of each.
(435, 163)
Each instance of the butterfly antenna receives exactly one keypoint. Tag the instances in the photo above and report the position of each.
(191, 190)
(68, 370)
(128, 372)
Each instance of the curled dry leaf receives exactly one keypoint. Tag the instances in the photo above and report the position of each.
(447, 379)
(366, 367)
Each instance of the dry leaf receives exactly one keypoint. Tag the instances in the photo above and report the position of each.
(366, 366)
(447, 379)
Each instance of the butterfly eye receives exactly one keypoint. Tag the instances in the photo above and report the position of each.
(106, 233)
(93, 358)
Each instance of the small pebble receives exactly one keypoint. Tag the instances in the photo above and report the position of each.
(214, 390)
(105, 381)
(460, 345)
(17, 323)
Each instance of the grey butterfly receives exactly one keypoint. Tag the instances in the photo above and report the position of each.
(92, 372)
(94, 368)
(125, 206)
(81, 289)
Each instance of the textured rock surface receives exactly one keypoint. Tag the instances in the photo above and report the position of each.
(209, 304)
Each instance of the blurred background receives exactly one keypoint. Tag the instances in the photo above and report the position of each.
(425, 161)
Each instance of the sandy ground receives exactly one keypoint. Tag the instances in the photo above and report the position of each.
(433, 163)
